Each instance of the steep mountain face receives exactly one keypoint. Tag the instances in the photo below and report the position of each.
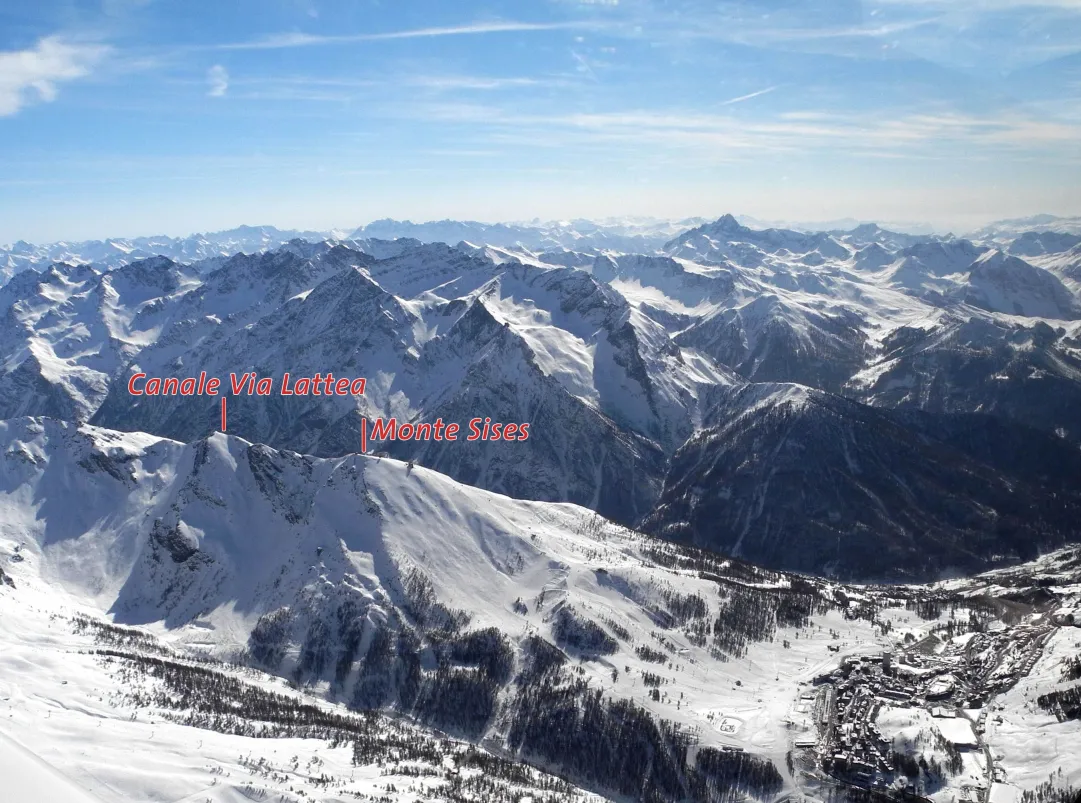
(478, 368)
(959, 272)
(946, 273)
(131, 286)
(933, 271)
(605, 352)
(1064, 264)
(1007, 284)
(66, 333)
(566, 257)
(1029, 374)
(687, 283)
(30, 388)
(574, 452)
(240, 292)
(808, 481)
(435, 269)
(247, 284)
(767, 340)
(941, 258)
(873, 257)
(1041, 243)
(304, 336)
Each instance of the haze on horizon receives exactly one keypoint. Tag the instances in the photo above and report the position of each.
(132, 117)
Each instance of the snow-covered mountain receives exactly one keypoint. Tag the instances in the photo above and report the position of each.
(1002, 283)
(270, 614)
(617, 360)
(726, 238)
(1041, 243)
(872, 233)
(389, 588)
(68, 331)
(767, 340)
(1006, 230)
(865, 492)
(1014, 370)
(440, 331)
(357, 626)
(634, 235)
(117, 251)
(630, 235)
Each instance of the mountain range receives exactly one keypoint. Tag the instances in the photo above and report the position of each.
(632, 368)
(762, 462)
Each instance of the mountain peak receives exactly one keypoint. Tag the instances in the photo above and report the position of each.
(992, 256)
(727, 222)
(152, 263)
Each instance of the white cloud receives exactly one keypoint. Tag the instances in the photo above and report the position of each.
(584, 65)
(218, 78)
(720, 137)
(451, 82)
(742, 98)
(308, 40)
(29, 75)
(988, 5)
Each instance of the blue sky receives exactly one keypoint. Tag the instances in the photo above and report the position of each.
(129, 117)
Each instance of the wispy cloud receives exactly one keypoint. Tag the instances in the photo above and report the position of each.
(913, 134)
(749, 96)
(332, 89)
(758, 34)
(722, 137)
(987, 5)
(583, 64)
(961, 34)
(32, 75)
(451, 82)
(218, 78)
(742, 22)
(289, 40)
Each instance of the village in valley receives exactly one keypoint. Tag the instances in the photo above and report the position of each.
(910, 720)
